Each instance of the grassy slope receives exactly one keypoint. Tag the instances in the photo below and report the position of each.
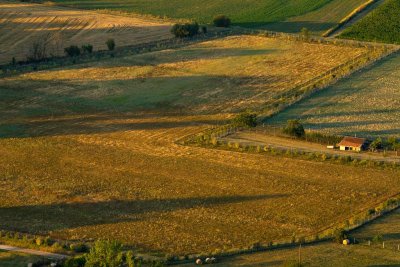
(382, 25)
(367, 103)
(318, 20)
(317, 15)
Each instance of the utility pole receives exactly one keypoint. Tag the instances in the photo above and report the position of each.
(300, 255)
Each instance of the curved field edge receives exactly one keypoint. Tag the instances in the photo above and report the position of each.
(381, 25)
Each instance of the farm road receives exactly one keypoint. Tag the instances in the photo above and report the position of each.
(49, 255)
(254, 138)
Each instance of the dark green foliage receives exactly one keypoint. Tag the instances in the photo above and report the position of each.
(245, 119)
(87, 48)
(78, 261)
(339, 235)
(79, 247)
(185, 30)
(222, 21)
(294, 128)
(72, 51)
(376, 144)
(322, 138)
(105, 254)
(204, 29)
(110, 44)
(383, 25)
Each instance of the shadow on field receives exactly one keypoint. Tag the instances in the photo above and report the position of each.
(71, 215)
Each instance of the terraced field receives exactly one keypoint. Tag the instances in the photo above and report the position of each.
(288, 15)
(88, 151)
(366, 104)
(23, 24)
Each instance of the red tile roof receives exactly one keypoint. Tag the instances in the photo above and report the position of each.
(352, 141)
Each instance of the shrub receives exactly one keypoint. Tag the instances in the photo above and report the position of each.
(185, 30)
(294, 128)
(246, 119)
(105, 253)
(110, 44)
(305, 34)
(339, 235)
(222, 21)
(377, 238)
(87, 48)
(79, 247)
(204, 29)
(72, 51)
(78, 261)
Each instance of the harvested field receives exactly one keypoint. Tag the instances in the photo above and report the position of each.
(23, 24)
(223, 75)
(89, 151)
(124, 178)
(366, 104)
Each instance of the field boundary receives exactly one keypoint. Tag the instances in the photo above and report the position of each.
(350, 17)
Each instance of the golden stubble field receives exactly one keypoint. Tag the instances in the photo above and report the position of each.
(89, 151)
(23, 24)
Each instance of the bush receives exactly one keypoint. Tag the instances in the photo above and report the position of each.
(87, 48)
(222, 21)
(79, 247)
(72, 51)
(79, 261)
(339, 235)
(110, 44)
(246, 119)
(185, 30)
(105, 253)
(294, 128)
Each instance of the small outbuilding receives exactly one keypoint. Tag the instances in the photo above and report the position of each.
(353, 144)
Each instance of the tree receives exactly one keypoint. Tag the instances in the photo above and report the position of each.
(222, 21)
(87, 48)
(110, 44)
(105, 253)
(305, 34)
(72, 51)
(245, 119)
(376, 144)
(185, 30)
(294, 128)
(339, 235)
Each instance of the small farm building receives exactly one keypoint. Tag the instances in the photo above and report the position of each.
(352, 144)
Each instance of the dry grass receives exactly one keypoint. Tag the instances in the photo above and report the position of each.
(26, 23)
(79, 159)
(223, 75)
(366, 104)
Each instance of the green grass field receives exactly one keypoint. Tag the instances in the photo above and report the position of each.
(382, 25)
(289, 15)
(366, 104)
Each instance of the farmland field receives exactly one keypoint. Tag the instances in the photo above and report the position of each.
(88, 151)
(290, 15)
(366, 104)
(381, 25)
(23, 24)
(223, 75)
(332, 254)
